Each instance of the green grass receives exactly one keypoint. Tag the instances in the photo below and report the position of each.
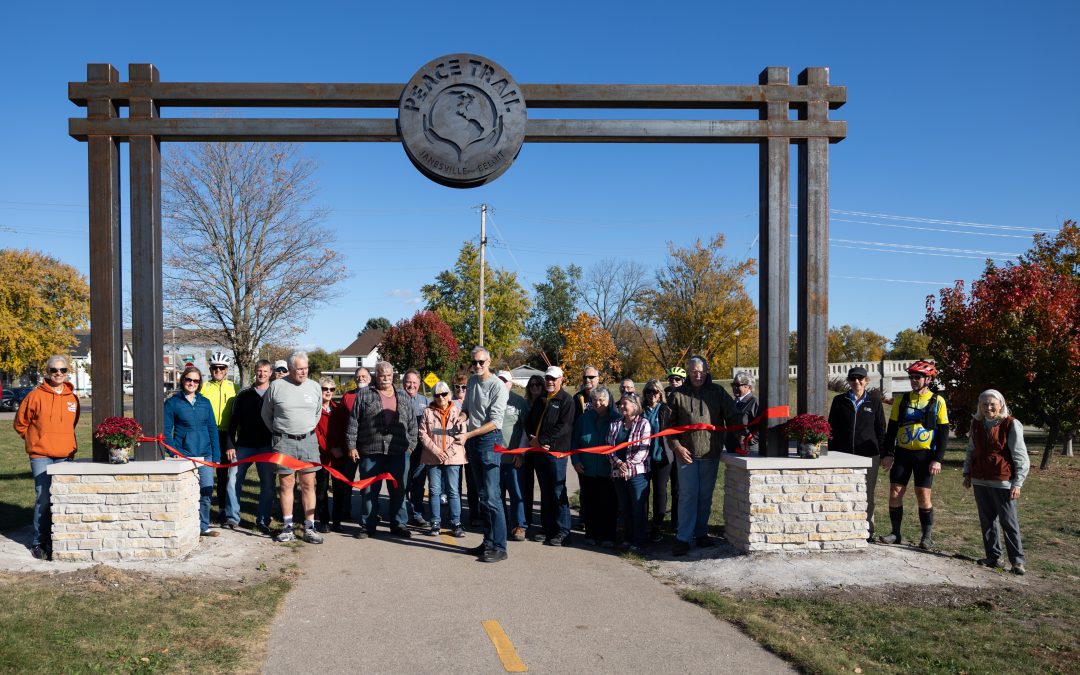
(942, 629)
(106, 620)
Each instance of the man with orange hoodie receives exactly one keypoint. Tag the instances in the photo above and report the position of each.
(46, 421)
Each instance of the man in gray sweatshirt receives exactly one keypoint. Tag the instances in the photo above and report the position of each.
(485, 403)
(291, 409)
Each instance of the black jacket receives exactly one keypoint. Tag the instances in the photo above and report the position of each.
(246, 426)
(555, 421)
(749, 409)
(861, 433)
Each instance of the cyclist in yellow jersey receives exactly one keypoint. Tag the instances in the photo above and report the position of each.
(915, 442)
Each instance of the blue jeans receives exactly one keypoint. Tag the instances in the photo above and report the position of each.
(511, 485)
(266, 485)
(554, 503)
(206, 494)
(485, 467)
(42, 507)
(439, 476)
(633, 495)
(697, 481)
(414, 496)
(372, 465)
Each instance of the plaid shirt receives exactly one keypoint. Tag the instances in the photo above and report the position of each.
(367, 433)
(636, 455)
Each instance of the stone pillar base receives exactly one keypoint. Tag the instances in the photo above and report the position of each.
(793, 504)
(134, 511)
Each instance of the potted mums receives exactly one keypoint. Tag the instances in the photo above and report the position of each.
(119, 435)
(809, 432)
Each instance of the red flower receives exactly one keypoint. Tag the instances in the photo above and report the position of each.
(807, 428)
(118, 432)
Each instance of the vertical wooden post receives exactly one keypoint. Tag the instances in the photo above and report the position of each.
(147, 342)
(773, 278)
(813, 266)
(106, 340)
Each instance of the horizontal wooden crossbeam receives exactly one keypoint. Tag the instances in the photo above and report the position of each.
(383, 130)
(345, 95)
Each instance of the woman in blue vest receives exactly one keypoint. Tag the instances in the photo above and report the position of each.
(191, 429)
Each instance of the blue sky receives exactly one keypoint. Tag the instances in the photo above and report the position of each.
(961, 133)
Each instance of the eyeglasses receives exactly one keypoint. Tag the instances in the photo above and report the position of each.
(480, 362)
(460, 387)
(219, 367)
(442, 394)
(329, 388)
(57, 370)
(190, 380)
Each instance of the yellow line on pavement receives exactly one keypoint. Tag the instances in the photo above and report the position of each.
(507, 654)
(448, 539)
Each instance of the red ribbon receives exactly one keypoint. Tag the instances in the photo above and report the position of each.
(771, 413)
(272, 458)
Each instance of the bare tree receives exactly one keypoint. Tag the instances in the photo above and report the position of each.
(611, 288)
(246, 259)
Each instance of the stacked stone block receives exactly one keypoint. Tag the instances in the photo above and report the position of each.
(136, 511)
(777, 505)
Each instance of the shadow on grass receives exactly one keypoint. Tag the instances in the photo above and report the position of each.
(14, 516)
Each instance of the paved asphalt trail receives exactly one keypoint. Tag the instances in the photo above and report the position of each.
(389, 605)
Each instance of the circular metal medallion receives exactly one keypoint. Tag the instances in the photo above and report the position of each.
(462, 120)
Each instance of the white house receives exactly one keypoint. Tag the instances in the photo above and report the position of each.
(364, 351)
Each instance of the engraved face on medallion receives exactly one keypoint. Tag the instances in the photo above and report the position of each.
(462, 120)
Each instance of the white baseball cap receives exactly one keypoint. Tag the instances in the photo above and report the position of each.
(553, 371)
(505, 375)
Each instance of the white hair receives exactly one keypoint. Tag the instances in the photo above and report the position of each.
(697, 360)
(479, 350)
(296, 356)
(992, 393)
(54, 358)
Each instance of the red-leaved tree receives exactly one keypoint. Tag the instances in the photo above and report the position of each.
(1017, 331)
(423, 342)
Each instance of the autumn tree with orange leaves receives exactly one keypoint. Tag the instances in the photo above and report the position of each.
(1017, 331)
(587, 344)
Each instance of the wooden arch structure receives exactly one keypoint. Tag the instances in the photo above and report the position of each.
(144, 129)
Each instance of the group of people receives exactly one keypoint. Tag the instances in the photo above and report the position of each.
(378, 428)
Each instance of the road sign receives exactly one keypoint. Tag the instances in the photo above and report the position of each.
(431, 380)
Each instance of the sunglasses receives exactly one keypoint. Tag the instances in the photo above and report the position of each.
(589, 377)
(479, 363)
(675, 378)
(58, 370)
(329, 388)
(281, 370)
(857, 378)
(442, 394)
(460, 387)
(219, 367)
(190, 380)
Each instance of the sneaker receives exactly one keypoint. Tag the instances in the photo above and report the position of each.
(321, 527)
(987, 562)
(494, 555)
(704, 541)
(335, 527)
(399, 531)
(231, 524)
(926, 543)
(209, 533)
(312, 537)
(890, 539)
(283, 536)
(538, 536)
(1018, 569)
(680, 547)
(518, 534)
(264, 528)
(458, 531)
(364, 533)
(557, 540)
(40, 552)
(419, 521)
(435, 529)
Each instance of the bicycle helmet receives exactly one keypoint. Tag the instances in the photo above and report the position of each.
(676, 371)
(924, 368)
(220, 359)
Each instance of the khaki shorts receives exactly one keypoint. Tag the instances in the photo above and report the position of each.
(305, 450)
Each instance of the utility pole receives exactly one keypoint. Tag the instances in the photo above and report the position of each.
(483, 243)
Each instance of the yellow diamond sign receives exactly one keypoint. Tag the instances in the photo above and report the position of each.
(431, 380)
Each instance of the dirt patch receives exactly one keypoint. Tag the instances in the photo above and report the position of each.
(879, 569)
(237, 555)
